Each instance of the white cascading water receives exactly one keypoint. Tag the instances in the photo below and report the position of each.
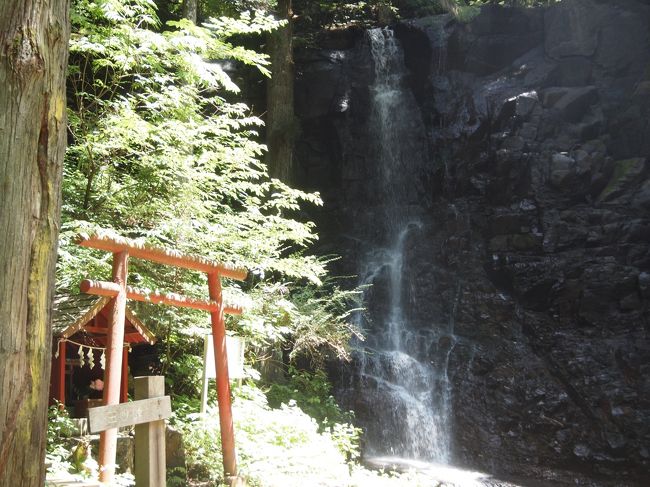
(402, 374)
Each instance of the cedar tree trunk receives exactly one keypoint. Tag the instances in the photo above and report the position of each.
(191, 9)
(33, 57)
(279, 98)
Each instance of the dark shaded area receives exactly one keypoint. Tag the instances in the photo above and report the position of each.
(536, 241)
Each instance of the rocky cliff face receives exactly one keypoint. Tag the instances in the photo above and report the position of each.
(535, 240)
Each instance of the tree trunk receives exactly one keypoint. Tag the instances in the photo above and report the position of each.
(191, 10)
(33, 57)
(280, 123)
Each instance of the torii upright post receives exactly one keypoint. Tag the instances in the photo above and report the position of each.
(113, 376)
(223, 383)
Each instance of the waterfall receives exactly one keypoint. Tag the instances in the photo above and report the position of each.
(401, 387)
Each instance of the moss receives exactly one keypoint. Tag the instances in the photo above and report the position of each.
(624, 171)
(418, 8)
(525, 242)
(466, 13)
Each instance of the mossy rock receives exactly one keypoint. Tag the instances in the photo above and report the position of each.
(626, 173)
(526, 242)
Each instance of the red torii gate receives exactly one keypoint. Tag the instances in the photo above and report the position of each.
(122, 249)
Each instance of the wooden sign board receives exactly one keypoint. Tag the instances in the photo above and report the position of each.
(102, 418)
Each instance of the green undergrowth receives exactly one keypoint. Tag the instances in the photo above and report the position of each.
(59, 426)
(312, 392)
(68, 456)
(274, 444)
(278, 447)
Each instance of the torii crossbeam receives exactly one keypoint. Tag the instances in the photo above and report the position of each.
(122, 249)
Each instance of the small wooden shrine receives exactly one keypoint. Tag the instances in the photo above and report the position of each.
(79, 328)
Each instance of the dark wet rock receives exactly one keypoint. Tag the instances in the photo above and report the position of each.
(572, 103)
(571, 28)
(625, 175)
(644, 284)
(630, 302)
(535, 238)
(641, 198)
(495, 38)
(575, 71)
(623, 40)
(581, 451)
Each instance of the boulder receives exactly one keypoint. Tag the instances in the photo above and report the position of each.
(526, 102)
(644, 284)
(175, 456)
(318, 95)
(571, 28)
(572, 72)
(626, 174)
(572, 103)
(641, 198)
(125, 454)
(505, 35)
(623, 40)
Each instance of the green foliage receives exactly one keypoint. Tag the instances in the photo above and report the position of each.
(183, 369)
(311, 392)
(156, 150)
(276, 446)
(322, 322)
(202, 444)
(234, 7)
(280, 447)
(59, 427)
(159, 153)
(70, 456)
(465, 13)
(309, 321)
(418, 8)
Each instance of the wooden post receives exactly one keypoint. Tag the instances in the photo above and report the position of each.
(61, 371)
(223, 384)
(150, 437)
(113, 375)
(124, 385)
(205, 380)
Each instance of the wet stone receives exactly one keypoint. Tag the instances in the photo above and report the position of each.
(644, 284)
(581, 451)
(630, 302)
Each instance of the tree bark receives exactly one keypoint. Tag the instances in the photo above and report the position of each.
(191, 10)
(280, 125)
(33, 57)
